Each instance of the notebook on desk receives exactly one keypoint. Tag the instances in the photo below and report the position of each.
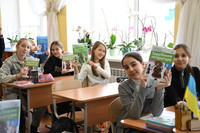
(164, 123)
(161, 123)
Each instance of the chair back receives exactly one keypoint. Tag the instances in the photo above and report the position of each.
(115, 109)
(66, 84)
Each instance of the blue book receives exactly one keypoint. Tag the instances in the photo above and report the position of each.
(163, 124)
(43, 41)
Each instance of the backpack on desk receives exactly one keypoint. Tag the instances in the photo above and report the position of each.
(64, 124)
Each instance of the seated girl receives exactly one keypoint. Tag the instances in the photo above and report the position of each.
(180, 75)
(12, 70)
(137, 95)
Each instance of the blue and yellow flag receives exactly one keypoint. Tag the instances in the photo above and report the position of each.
(191, 96)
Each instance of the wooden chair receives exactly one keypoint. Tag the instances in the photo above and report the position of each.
(67, 84)
(115, 111)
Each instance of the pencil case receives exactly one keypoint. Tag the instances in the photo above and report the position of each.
(45, 78)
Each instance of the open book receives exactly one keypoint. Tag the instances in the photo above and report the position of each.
(10, 116)
(160, 63)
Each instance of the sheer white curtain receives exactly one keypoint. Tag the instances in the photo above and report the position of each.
(50, 7)
(189, 29)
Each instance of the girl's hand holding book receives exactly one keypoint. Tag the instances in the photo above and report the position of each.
(21, 73)
(143, 78)
(168, 79)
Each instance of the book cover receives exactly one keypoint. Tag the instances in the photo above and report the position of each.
(67, 62)
(9, 116)
(160, 63)
(161, 123)
(81, 49)
(30, 64)
(43, 41)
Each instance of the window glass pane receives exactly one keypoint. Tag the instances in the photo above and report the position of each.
(31, 25)
(162, 20)
(114, 14)
(78, 14)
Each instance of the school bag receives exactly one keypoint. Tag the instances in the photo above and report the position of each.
(64, 124)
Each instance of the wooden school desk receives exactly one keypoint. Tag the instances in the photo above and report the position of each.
(140, 124)
(96, 101)
(38, 95)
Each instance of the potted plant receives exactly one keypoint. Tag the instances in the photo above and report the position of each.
(138, 43)
(126, 47)
(111, 46)
(84, 37)
(13, 41)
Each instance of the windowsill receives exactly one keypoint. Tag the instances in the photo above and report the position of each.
(118, 58)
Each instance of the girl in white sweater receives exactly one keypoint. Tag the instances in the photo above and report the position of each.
(97, 69)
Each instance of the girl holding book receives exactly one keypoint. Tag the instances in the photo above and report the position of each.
(180, 76)
(54, 66)
(138, 96)
(13, 69)
(97, 69)
(54, 63)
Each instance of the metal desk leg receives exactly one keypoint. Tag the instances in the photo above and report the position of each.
(85, 118)
(73, 111)
(28, 109)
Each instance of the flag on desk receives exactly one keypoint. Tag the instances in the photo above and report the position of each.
(191, 96)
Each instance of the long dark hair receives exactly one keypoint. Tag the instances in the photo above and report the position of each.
(101, 61)
(189, 67)
(58, 43)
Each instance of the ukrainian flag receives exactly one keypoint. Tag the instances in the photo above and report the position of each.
(191, 96)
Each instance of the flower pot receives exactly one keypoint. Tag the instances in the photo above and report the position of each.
(13, 46)
(125, 50)
(112, 52)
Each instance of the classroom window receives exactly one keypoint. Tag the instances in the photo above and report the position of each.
(101, 16)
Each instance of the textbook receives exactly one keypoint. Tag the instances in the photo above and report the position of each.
(10, 116)
(30, 64)
(81, 49)
(160, 63)
(67, 62)
(43, 41)
(161, 123)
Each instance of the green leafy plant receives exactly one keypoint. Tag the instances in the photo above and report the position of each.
(138, 43)
(13, 40)
(126, 45)
(111, 44)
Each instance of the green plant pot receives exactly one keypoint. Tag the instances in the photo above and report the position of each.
(125, 50)
(112, 52)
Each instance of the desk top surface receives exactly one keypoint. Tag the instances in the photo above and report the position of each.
(140, 124)
(90, 93)
(39, 84)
